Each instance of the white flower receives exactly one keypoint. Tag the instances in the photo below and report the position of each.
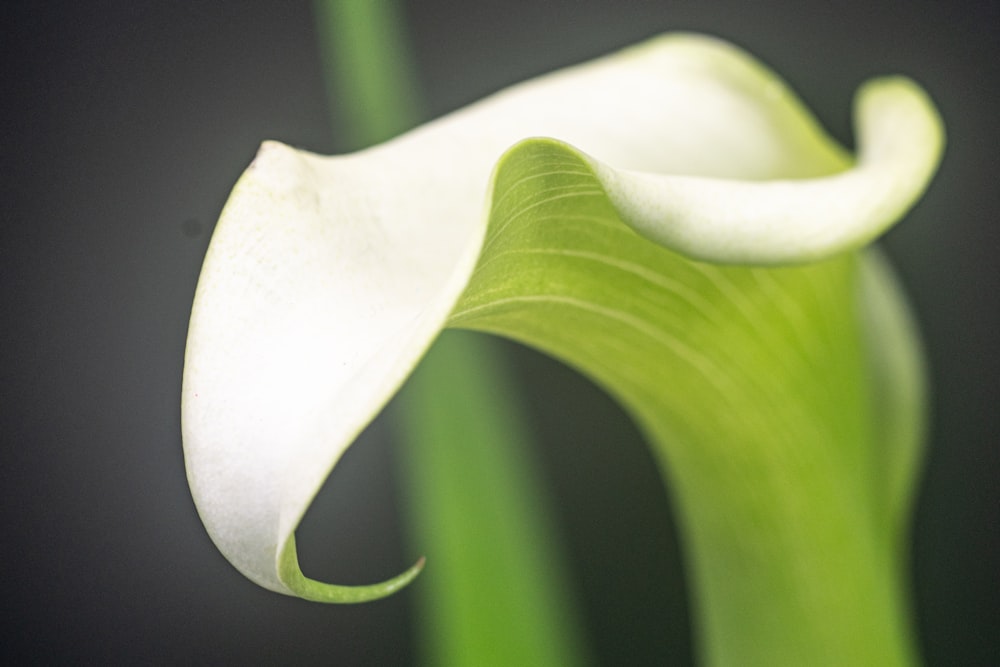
(328, 277)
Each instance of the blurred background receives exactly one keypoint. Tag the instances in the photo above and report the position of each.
(125, 124)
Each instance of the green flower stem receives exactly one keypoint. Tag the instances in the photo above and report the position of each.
(494, 592)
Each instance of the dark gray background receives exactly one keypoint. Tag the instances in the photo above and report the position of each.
(124, 126)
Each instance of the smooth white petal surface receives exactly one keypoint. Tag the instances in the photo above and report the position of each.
(785, 221)
(327, 278)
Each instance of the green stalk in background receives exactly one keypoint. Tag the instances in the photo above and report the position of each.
(494, 591)
(369, 76)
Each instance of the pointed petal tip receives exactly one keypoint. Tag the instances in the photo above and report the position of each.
(317, 591)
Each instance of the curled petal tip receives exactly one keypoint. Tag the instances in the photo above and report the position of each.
(794, 220)
(318, 591)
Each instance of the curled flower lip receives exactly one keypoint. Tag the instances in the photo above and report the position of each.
(785, 221)
(327, 278)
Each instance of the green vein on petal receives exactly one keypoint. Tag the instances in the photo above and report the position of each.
(328, 278)
(790, 453)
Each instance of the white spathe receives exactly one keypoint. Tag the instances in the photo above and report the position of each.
(328, 277)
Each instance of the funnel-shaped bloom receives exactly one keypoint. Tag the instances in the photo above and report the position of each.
(618, 215)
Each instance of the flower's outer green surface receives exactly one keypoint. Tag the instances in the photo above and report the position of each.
(327, 278)
(752, 385)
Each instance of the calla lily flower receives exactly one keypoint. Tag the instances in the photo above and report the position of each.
(671, 221)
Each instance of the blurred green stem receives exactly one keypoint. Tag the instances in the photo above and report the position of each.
(497, 595)
(369, 76)
(493, 591)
